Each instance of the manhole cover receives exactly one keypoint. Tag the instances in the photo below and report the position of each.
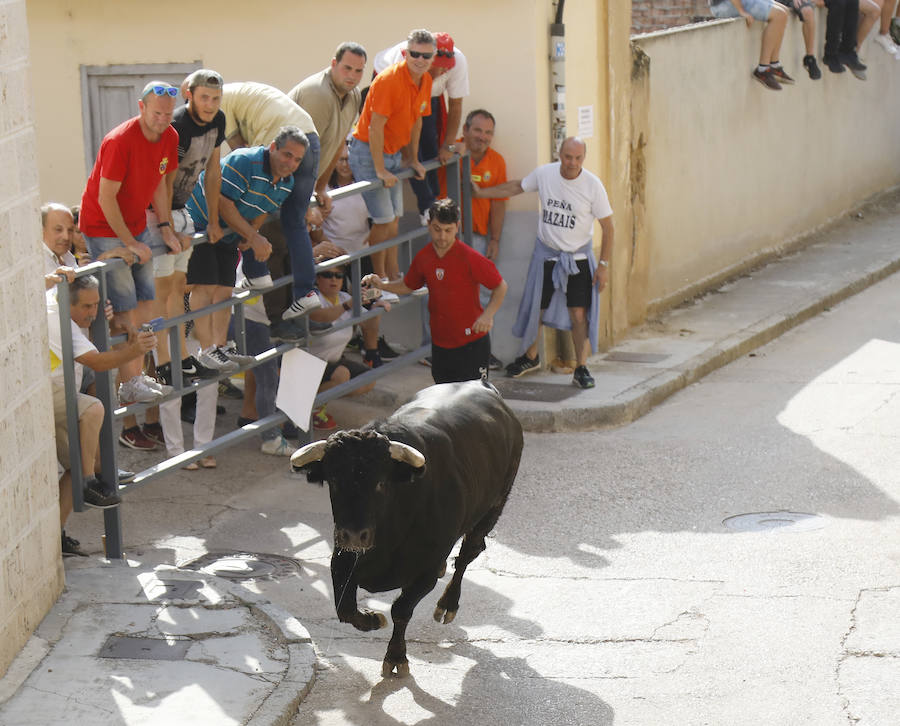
(545, 392)
(244, 566)
(139, 648)
(774, 522)
(623, 356)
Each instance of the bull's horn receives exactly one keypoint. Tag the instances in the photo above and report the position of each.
(308, 454)
(407, 454)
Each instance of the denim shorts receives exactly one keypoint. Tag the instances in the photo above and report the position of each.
(125, 286)
(165, 264)
(759, 9)
(384, 205)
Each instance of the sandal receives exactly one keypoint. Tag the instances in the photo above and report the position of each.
(193, 466)
(208, 462)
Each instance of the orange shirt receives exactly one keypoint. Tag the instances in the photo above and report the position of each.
(395, 95)
(489, 172)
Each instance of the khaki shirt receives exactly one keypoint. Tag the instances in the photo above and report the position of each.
(257, 111)
(333, 116)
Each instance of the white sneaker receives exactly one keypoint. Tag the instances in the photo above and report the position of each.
(217, 360)
(162, 388)
(278, 446)
(888, 45)
(423, 219)
(231, 352)
(255, 283)
(308, 302)
(421, 290)
(136, 390)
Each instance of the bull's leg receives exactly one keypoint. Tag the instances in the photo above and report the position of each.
(401, 612)
(472, 546)
(344, 581)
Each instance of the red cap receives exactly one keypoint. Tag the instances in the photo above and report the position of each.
(444, 57)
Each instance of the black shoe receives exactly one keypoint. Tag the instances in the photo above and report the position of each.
(71, 546)
(767, 78)
(98, 493)
(781, 75)
(522, 365)
(833, 64)
(852, 61)
(809, 62)
(164, 373)
(289, 431)
(228, 390)
(372, 359)
(494, 363)
(243, 421)
(356, 343)
(188, 413)
(192, 368)
(583, 377)
(385, 350)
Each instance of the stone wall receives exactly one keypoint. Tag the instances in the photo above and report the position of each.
(31, 574)
(650, 15)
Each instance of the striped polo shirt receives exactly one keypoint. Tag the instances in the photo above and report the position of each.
(247, 181)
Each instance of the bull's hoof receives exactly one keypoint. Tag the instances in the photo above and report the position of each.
(444, 616)
(388, 669)
(368, 620)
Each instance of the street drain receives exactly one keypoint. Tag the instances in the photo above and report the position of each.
(774, 522)
(244, 566)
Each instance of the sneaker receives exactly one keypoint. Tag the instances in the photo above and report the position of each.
(154, 432)
(494, 363)
(124, 476)
(160, 388)
(71, 546)
(289, 431)
(191, 368)
(372, 359)
(231, 352)
(809, 62)
(136, 390)
(279, 446)
(781, 75)
(833, 64)
(767, 78)
(308, 302)
(95, 495)
(134, 438)
(420, 291)
(215, 359)
(522, 365)
(895, 30)
(426, 361)
(164, 373)
(385, 350)
(583, 377)
(423, 219)
(228, 390)
(852, 61)
(322, 420)
(887, 45)
(255, 283)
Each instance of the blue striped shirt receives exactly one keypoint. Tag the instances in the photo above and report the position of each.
(247, 181)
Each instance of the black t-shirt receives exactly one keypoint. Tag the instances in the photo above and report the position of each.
(195, 145)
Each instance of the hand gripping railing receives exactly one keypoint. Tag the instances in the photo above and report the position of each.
(458, 168)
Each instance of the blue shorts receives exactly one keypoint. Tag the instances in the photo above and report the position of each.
(125, 286)
(759, 9)
(384, 205)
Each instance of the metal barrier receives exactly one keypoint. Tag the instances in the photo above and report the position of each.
(105, 380)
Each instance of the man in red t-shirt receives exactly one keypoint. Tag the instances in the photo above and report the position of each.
(128, 175)
(454, 274)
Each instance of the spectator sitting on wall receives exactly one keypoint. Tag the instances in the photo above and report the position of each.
(871, 11)
(806, 11)
(769, 71)
(840, 38)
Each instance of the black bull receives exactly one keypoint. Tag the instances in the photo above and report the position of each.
(404, 490)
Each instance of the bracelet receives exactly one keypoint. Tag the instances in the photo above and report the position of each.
(162, 224)
(605, 263)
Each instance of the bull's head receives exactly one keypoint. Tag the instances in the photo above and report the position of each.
(363, 469)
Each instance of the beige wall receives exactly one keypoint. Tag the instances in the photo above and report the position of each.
(31, 575)
(735, 172)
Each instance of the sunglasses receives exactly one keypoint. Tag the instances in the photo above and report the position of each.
(445, 53)
(163, 90)
(420, 54)
(332, 275)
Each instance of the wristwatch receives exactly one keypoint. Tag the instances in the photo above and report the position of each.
(605, 263)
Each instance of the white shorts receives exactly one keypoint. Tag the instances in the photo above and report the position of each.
(165, 264)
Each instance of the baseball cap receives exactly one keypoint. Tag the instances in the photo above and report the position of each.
(204, 78)
(444, 57)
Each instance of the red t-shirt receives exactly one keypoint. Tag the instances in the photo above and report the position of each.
(454, 282)
(126, 156)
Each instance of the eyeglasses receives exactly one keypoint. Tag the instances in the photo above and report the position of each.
(445, 53)
(331, 275)
(419, 54)
(163, 90)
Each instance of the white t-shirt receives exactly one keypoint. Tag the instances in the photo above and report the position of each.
(348, 224)
(52, 263)
(568, 206)
(455, 81)
(330, 346)
(80, 343)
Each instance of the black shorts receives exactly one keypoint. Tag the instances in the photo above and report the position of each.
(578, 290)
(213, 264)
(465, 363)
(789, 4)
(354, 366)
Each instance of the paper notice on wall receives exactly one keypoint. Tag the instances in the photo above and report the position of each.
(585, 121)
(301, 374)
